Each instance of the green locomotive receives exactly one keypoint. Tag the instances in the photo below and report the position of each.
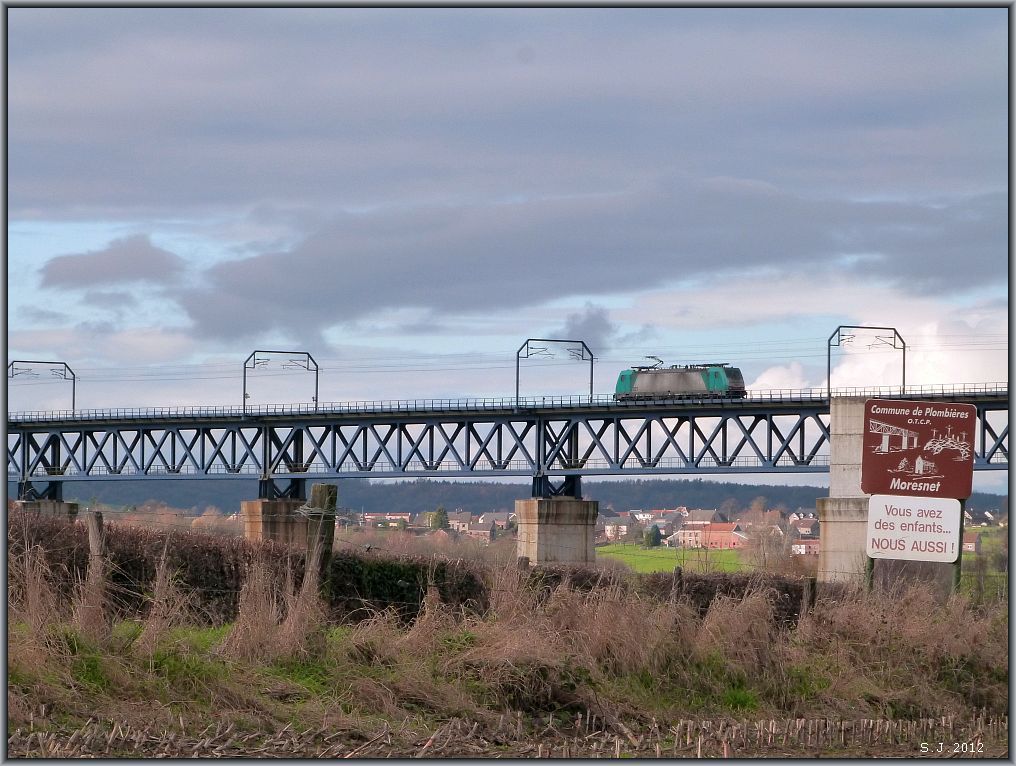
(680, 382)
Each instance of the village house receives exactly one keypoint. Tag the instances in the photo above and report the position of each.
(972, 542)
(976, 518)
(385, 518)
(459, 520)
(805, 547)
(657, 514)
(805, 528)
(699, 517)
(765, 520)
(673, 519)
(500, 518)
(666, 528)
(723, 536)
(480, 531)
(689, 537)
(443, 535)
(616, 530)
(799, 514)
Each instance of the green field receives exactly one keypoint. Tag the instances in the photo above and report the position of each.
(661, 559)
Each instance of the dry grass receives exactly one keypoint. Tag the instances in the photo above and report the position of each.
(605, 649)
(31, 597)
(274, 623)
(741, 631)
(252, 635)
(302, 630)
(169, 608)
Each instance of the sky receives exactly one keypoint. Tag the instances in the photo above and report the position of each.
(409, 194)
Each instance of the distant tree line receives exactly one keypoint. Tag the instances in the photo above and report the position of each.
(474, 496)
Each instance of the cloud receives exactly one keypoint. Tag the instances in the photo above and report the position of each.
(102, 343)
(945, 344)
(790, 376)
(39, 315)
(152, 113)
(591, 325)
(453, 259)
(113, 300)
(130, 259)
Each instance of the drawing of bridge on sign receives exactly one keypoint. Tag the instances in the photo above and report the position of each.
(908, 438)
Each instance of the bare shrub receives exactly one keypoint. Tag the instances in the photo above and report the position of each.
(414, 683)
(768, 550)
(19, 707)
(610, 626)
(611, 564)
(632, 635)
(405, 543)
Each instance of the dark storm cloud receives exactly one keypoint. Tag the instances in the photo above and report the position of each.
(472, 258)
(131, 259)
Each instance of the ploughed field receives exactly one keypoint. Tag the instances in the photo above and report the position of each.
(180, 644)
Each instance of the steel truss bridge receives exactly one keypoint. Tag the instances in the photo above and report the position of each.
(554, 440)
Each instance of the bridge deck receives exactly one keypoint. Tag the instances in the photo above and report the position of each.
(600, 403)
(776, 431)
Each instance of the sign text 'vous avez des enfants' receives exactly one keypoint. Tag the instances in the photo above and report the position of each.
(917, 462)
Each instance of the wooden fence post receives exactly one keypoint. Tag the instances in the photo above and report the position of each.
(808, 589)
(90, 615)
(677, 588)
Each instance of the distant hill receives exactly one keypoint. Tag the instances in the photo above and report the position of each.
(472, 496)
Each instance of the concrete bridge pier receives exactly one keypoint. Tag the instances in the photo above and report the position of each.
(293, 520)
(43, 507)
(843, 516)
(47, 501)
(556, 528)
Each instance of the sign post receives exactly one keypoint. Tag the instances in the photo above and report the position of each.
(917, 463)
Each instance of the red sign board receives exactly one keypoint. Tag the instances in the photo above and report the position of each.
(922, 449)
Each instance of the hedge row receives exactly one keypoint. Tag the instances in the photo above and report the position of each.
(212, 570)
(787, 594)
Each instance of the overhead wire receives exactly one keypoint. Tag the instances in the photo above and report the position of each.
(771, 351)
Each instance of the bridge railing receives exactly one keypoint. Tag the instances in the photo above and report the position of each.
(486, 403)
